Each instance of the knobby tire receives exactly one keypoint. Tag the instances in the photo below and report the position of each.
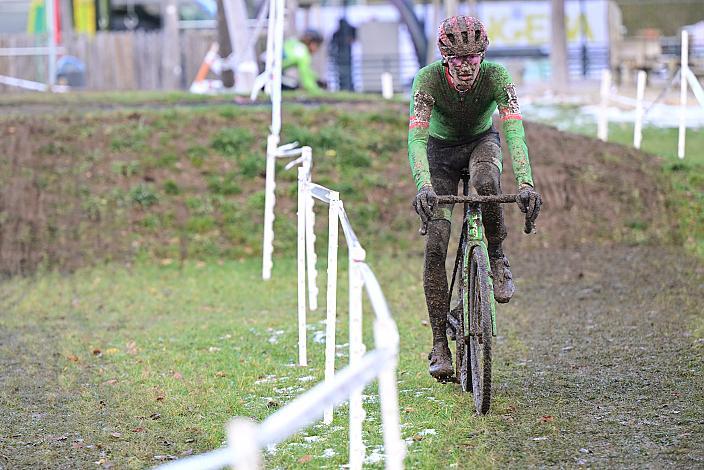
(474, 352)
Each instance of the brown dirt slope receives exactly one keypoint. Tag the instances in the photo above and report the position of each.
(80, 188)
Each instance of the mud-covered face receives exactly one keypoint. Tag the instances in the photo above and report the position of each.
(464, 70)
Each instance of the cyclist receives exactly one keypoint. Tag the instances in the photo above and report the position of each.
(450, 129)
(298, 54)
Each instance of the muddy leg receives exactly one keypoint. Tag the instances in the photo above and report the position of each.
(486, 179)
(435, 278)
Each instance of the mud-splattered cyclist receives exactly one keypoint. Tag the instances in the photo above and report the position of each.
(450, 129)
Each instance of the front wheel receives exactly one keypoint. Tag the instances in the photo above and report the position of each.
(476, 298)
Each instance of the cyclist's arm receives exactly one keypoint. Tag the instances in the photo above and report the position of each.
(512, 126)
(421, 107)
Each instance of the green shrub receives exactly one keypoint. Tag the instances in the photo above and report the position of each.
(144, 195)
(171, 188)
(232, 141)
(226, 184)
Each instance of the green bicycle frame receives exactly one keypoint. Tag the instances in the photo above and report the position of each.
(474, 237)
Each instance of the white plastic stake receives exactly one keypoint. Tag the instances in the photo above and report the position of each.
(356, 353)
(302, 195)
(51, 32)
(695, 86)
(640, 92)
(394, 446)
(276, 71)
(387, 85)
(603, 122)
(311, 257)
(242, 435)
(269, 203)
(683, 93)
(331, 306)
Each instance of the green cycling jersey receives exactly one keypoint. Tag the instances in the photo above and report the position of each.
(441, 111)
(296, 54)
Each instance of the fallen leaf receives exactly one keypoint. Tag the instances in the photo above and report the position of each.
(273, 404)
(408, 409)
(220, 374)
(187, 452)
(177, 375)
(417, 438)
(139, 429)
(424, 322)
(547, 419)
(305, 459)
(111, 351)
(132, 348)
(97, 352)
(72, 358)
(154, 416)
(116, 435)
(189, 440)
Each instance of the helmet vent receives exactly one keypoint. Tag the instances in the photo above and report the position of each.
(465, 38)
(477, 34)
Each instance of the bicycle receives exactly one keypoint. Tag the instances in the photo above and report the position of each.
(472, 322)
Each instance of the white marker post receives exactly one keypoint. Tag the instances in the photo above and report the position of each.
(603, 122)
(311, 257)
(275, 39)
(331, 319)
(356, 282)
(272, 146)
(640, 92)
(51, 32)
(302, 195)
(683, 93)
(387, 85)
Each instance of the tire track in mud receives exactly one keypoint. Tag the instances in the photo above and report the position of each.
(608, 354)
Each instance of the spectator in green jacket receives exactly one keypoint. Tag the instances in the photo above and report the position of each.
(298, 54)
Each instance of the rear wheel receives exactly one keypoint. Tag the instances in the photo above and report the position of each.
(474, 352)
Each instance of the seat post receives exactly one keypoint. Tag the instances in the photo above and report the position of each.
(465, 181)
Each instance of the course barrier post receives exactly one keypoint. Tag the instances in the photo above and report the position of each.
(603, 122)
(272, 145)
(331, 304)
(683, 94)
(356, 282)
(301, 251)
(311, 258)
(640, 92)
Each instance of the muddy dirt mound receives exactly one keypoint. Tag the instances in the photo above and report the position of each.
(180, 182)
(592, 190)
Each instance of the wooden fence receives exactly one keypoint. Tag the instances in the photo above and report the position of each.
(114, 60)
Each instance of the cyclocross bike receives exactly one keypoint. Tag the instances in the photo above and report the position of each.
(472, 322)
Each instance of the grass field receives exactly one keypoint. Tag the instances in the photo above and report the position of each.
(151, 361)
(133, 362)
